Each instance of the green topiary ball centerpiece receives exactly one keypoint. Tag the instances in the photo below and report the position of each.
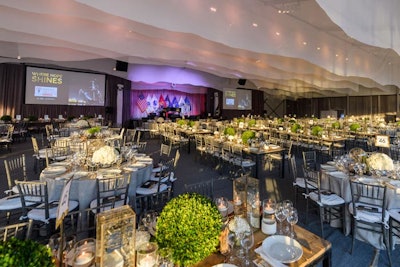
(28, 253)
(188, 229)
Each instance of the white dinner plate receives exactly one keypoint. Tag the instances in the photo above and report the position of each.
(112, 171)
(282, 248)
(130, 169)
(80, 174)
(54, 170)
(224, 265)
(145, 160)
(371, 181)
(138, 165)
(328, 168)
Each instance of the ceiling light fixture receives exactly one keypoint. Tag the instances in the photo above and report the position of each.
(213, 9)
(278, 33)
(304, 43)
(18, 57)
(255, 25)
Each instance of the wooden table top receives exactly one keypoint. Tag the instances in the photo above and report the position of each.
(314, 248)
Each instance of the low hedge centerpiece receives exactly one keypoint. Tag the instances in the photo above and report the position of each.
(188, 229)
(16, 252)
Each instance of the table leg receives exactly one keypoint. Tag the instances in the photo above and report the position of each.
(327, 261)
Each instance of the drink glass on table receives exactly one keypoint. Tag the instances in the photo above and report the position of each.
(292, 219)
(247, 243)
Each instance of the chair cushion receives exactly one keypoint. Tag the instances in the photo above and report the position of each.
(39, 214)
(395, 214)
(10, 203)
(301, 183)
(151, 190)
(327, 200)
(368, 213)
(154, 177)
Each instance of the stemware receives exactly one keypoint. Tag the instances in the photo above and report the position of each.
(55, 245)
(231, 239)
(292, 219)
(281, 213)
(287, 205)
(149, 221)
(247, 242)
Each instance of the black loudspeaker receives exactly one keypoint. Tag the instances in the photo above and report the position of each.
(242, 81)
(109, 110)
(121, 66)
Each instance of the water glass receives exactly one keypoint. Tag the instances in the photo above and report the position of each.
(247, 242)
(85, 253)
(281, 213)
(292, 219)
(147, 255)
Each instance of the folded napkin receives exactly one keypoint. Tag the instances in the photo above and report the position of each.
(272, 262)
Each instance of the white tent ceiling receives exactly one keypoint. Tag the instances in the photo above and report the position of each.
(318, 48)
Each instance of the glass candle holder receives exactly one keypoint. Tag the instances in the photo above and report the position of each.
(222, 205)
(268, 221)
(85, 252)
(147, 255)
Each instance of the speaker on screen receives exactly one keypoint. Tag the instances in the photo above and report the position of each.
(121, 66)
(242, 81)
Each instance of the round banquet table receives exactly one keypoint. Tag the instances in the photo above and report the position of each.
(83, 189)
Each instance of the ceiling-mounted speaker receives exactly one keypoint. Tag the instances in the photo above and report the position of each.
(121, 66)
(242, 81)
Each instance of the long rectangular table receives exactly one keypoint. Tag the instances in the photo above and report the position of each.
(315, 250)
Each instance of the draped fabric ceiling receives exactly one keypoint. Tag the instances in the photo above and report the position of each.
(286, 48)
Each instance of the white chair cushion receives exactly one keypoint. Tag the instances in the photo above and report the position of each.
(151, 190)
(10, 203)
(301, 183)
(395, 214)
(367, 214)
(39, 214)
(327, 200)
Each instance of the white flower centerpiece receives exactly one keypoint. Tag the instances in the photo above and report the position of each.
(82, 124)
(105, 156)
(239, 225)
(380, 162)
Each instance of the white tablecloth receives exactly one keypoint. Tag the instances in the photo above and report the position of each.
(340, 184)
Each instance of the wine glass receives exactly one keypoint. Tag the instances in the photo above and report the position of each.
(292, 219)
(247, 242)
(281, 213)
(231, 238)
(149, 221)
(55, 245)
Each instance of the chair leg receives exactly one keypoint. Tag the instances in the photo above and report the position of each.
(353, 228)
(388, 245)
(321, 218)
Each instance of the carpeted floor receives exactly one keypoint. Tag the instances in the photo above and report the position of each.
(194, 168)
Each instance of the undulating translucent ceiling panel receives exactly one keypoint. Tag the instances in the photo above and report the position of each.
(372, 22)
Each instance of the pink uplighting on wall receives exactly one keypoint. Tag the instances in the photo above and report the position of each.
(145, 102)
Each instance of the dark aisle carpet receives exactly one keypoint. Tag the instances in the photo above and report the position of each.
(193, 169)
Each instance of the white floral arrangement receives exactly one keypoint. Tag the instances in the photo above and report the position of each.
(380, 161)
(82, 124)
(105, 155)
(239, 225)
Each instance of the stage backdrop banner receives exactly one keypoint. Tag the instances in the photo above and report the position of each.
(145, 102)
